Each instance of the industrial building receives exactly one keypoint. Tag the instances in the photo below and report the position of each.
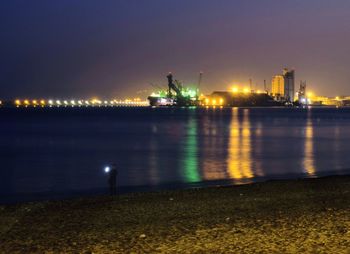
(278, 87)
(282, 87)
(239, 99)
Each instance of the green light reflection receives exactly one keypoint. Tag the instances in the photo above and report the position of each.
(191, 153)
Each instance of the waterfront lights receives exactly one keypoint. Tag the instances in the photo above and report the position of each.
(245, 90)
(221, 101)
(235, 89)
(76, 103)
(107, 169)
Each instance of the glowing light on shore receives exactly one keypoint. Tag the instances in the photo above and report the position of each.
(234, 89)
(245, 90)
(93, 102)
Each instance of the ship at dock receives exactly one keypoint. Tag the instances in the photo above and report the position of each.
(176, 95)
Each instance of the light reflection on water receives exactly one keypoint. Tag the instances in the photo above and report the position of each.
(65, 151)
(190, 166)
(239, 150)
(309, 163)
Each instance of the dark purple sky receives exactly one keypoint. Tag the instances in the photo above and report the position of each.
(70, 48)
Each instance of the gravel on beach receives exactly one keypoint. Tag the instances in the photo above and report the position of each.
(292, 216)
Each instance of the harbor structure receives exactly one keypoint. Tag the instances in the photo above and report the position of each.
(238, 98)
(277, 88)
(289, 84)
(283, 86)
(302, 97)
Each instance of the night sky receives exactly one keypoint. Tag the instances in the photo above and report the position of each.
(116, 48)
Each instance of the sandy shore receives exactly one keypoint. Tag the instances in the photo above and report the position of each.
(297, 216)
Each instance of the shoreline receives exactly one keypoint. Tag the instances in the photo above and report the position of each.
(304, 215)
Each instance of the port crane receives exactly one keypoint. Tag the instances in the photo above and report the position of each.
(176, 95)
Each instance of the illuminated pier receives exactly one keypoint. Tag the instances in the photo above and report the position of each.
(137, 102)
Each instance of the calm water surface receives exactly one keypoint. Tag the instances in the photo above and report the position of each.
(55, 152)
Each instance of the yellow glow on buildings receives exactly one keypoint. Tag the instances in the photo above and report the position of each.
(278, 86)
(235, 89)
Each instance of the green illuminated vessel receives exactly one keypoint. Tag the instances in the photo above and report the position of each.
(176, 95)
